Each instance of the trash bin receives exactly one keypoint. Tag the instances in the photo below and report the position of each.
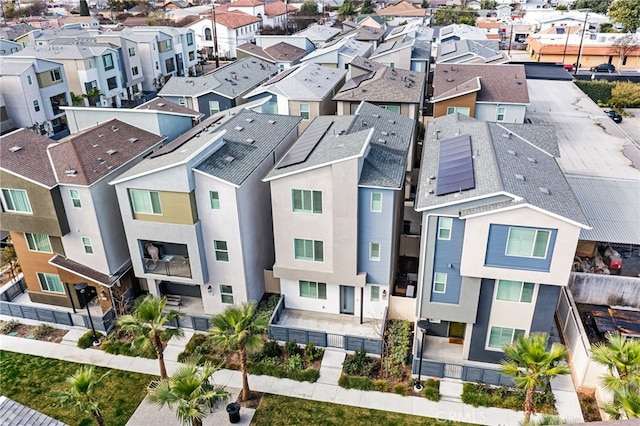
(233, 410)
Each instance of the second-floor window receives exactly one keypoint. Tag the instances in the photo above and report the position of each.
(29, 81)
(36, 105)
(515, 291)
(214, 107)
(189, 39)
(226, 294)
(38, 242)
(132, 51)
(376, 201)
(86, 243)
(75, 198)
(527, 242)
(112, 83)
(392, 108)
(439, 282)
(374, 251)
(308, 250)
(306, 201)
(164, 46)
(214, 198)
(222, 252)
(135, 71)
(108, 61)
(145, 202)
(304, 111)
(501, 112)
(444, 228)
(16, 200)
(461, 110)
(55, 75)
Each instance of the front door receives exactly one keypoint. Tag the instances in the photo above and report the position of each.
(346, 299)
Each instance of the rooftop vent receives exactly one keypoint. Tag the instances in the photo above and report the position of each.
(114, 129)
(392, 121)
(133, 140)
(519, 176)
(101, 160)
(544, 190)
(239, 128)
(160, 104)
(99, 135)
(512, 152)
(384, 133)
(229, 159)
(250, 140)
(272, 122)
(382, 141)
(249, 120)
(531, 160)
(15, 148)
(111, 151)
(70, 172)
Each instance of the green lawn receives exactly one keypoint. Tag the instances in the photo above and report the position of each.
(31, 380)
(282, 411)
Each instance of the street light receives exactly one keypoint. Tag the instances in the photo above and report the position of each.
(423, 325)
(82, 288)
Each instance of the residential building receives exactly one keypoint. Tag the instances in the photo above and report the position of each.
(255, 8)
(34, 89)
(63, 216)
(7, 47)
(276, 13)
(409, 54)
(400, 11)
(197, 215)
(460, 32)
(337, 202)
(486, 92)
(362, 33)
(372, 20)
(265, 41)
(319, 34)
(339, 54)
(471, 52)
(414, 29)
(306, 90)
(283, 55)
(499, 232)
(87, 22)
(221, 89)
(233, 28)
(46, 37)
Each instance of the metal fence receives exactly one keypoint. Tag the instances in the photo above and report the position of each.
(12, 291)
(191, 321)
(466, 373)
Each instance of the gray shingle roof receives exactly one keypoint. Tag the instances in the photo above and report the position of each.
(476, 51)
(31, 160)
(13, 413)
(502, 162)
(320, 33)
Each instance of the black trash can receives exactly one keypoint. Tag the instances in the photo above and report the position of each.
(233, 410)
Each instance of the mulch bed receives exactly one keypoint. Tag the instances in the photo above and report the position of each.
(253, 401)
(55, 335)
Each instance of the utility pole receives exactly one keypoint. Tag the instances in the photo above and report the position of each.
(215, 34)
(584, 28)
(566, 42)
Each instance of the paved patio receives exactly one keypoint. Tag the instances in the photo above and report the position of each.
(440, 349)
(336, 323)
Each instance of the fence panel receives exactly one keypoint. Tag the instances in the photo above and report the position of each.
(335, 340)
(298, 336)
(318, 338)
(200, 323)
(453, 371)
(373, 346)
(278, 333)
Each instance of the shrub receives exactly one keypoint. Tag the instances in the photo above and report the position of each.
(431, 390)
(312, 352)
(360, 383)
(505, 397)
(118, 347)
(401, 389)
(291, 348)
(42, 330)
(265, 307)
(381, 385)
(271, 349)
(398, 339)
(599, 90)
(276, 370)
(359, 364)
(294, 363)
(86, 340)
(7, 327)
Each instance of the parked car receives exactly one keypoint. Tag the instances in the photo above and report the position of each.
(568, 67)
(603, 68)
(614, 116)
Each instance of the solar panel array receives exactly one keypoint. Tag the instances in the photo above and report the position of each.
(455, 166)
(301, 150)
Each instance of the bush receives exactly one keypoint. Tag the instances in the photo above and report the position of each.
(118, 347)
(359, 364)
(42, 330)
(266, 307)
(504, 397)
(431, 390)
(360, 383)
(398, 347)
(310, 375)
(293, 363)
(381, 385)
(86, 340)
(312, 352)
(598, 90)
(7, 327)
(291, 348)
(401, 389)
(271, 349)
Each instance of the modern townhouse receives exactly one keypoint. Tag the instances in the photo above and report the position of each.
(460, 32)
(265, 41)
(91, 70)
(197, 215)
(373, 36)
(34, 89)
(409, 54)
(7, 47)
(339, 54)
(414, 29)
(221, 89)
(283, 55)
(46, 37)
(318, 34)
(485, 92)
(337, 205)
(63, 215)
(500, 225)
(306, 90)
(471, 52)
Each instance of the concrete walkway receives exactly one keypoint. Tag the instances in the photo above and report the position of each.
(326, 389)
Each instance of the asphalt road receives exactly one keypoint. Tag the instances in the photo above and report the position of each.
(631, 124)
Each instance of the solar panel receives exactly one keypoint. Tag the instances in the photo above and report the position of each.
(301, 150)
(455, 166)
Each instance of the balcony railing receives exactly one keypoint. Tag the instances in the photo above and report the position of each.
(170, 265)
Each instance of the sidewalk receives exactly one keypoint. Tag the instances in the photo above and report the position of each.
(326, 389)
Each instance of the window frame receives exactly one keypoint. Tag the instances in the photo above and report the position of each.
(375, 298)
(521, 293)
(226, 292)
(29, 239)
(443, 227)
(214, 110)
(306, 195)
(533, 245)
(372, 204)
(453, 110)
(112, 83)
(320, 290)
(135, 70)
(55, 75)
(109, 64)
(75, 199)
(392, 108)
(222, 254)
(132, 51)
(88, 247)
(36, 105)
(436, 281)
(515, 333)
(8, 191)
(305, 244)
(42, 276)
(148, 193)
(371, 251)
(214, 202)
(501, 112)
(307, 112)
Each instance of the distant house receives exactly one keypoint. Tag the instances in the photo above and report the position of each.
(402, 11)
(175, 4)
(339, 54)
(471, 52)
(491, 27)
(486, 92)
(221, 89)
(87, 22)
(410, 54)
(362, 33)
(372, 20)
(7, 47)
(275, 14)
(233, 28)
(460, 32)
(300, 42)
(414, 29)
(319, 34)
(283, 55)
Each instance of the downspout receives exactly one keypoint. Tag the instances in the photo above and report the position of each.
(361, 305)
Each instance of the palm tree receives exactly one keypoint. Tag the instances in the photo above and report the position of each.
(149, 321)
(93, 95)
(238, 329)
(190, 390)
(347, 10)
(531, 365)
(76, 100)
(81, 395)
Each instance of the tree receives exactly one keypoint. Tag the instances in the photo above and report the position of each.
(189, 389)
(562, 7)
(238, 329)
(84, 8)
(425, 4)
(595, 6)
(93, 95)
(626, 13)
(81, 396)
(10, 257)
(531, 365)
(347, 10)
(149, 321)
(624, 46)
(453, 15)
(625, 94)
(366, 8)
(309, 8)
(76, 100)
(488, 4)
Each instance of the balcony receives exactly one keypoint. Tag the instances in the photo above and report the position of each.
(167, 259)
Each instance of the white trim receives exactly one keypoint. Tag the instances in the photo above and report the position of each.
(493, 348)
(37, 251)
(546, 248)
(371, 258)
(433, 286)
(466, 200)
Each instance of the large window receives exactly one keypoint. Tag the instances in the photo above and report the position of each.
(189, 39)
(374, 251)
(308, 250)
(306, 201)
(499, 337)
(376, 201)
(50, 282)
(304, 111)
(214, 199)
(86, 243)
(108, 61)
(214, 107)
(15, 200)
(515, 291)
(527, 242)
(222, 252)
(36, 106)
(164, 46)
(112, 83)
(392, 108)
(55, 75)
(145, 202)
(38, 242)
(132, 51)
(461, 110)
(439, 282)
(135, 71)
(226, 294)
(169, 65)
(444, 228)
(313, 290)
(207, 34)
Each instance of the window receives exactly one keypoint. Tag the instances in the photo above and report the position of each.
(207, 34)
(226, 294)
(108, 61)
(182, 102)
(112, 83)
(75, 198)
(389, 64)
(502, 336)
(375, 293)
(527, 242)
(306, 201)
(189, 39)
(304, 111)
(222, 253)
(308, 250)
(157, 65)
(145, 202)
(192, 56)
(214, 107)
(90, 85)
(214, 198)
(135, 71)
(461, 110)
(55, 75)
(29, 80)
(36, 105)
(392, 108)
(164, 46)
(501, 111)
(86, 242)
(169, 65)
(439, 282)
(376, 201)
(50, 282)
(313, 290)
(515, 291)
(16, 200)
(38, 242)
(132, 51)
(444, 228)
(374, 251)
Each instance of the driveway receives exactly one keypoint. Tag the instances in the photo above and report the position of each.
(631, 124)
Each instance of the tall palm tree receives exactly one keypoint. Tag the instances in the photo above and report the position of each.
(93, 95)
(531, 365)
(238, 328)
(81, 395)
(149, 322)
(190, 390)
(347, 10)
